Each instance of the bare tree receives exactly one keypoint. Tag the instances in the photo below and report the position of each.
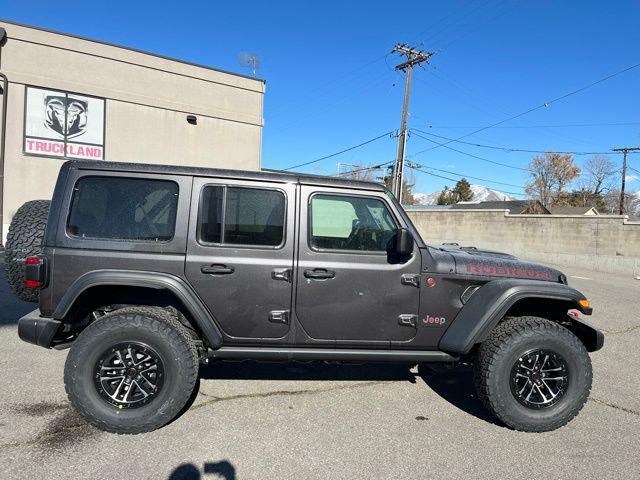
(549, 175)
(612, 203)
(362, 172)
(598, 174)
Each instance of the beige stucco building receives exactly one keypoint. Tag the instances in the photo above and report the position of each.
(68, 97)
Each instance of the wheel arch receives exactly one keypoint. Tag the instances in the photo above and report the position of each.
(164, 287)
(504, 298)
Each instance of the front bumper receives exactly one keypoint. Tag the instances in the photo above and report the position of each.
(33, 328)
(592, 337)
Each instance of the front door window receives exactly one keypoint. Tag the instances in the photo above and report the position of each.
(350, 223)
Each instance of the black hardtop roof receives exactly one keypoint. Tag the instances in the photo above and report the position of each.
(264, 176)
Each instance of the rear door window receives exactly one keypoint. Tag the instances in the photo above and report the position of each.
(242, 216)
(117, 208)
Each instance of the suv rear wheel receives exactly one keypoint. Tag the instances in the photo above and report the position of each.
(533, 374)
(132, 371)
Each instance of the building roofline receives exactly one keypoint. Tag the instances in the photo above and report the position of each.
(131, 49)
(272, 176)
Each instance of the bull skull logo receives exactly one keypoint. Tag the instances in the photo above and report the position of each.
(66, 116)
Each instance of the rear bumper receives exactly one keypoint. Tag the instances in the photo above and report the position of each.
(33, 328)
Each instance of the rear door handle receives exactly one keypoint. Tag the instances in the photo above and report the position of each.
(217, 269)
(319, 273)
(281, 274)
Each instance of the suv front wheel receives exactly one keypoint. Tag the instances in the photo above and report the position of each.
(132, 371)
(533, 374)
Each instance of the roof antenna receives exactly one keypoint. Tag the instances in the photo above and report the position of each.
(250, 60)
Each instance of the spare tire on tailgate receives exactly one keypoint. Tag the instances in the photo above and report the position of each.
(24, 239)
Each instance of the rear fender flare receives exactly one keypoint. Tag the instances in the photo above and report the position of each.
(489, 304)
(164, 281)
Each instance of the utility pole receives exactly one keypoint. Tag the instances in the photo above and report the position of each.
(625, 151)
(413, 57)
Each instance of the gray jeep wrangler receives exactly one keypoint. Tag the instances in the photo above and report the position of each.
(146, 271)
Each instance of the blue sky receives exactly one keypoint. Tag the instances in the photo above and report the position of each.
(331, 83)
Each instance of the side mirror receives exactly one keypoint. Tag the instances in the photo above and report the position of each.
(403, 245)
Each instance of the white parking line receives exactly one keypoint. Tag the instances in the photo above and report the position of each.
(581, 278)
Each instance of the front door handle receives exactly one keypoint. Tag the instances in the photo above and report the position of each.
(319, 273)
(217, 269)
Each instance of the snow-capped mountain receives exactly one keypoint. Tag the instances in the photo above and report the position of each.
(480, 194)
(486, 194)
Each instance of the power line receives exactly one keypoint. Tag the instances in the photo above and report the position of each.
(543, 105)
(327, 87)
(341, 151)
(468, 154)
(455, 180)
(566, 125)
(493, 105)
(443, 26)
(510, 149)
(482, 23)
(365, 169)
(466, 176)
(327, 106)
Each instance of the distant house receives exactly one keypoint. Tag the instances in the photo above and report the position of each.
(573, 211)
(515, 207)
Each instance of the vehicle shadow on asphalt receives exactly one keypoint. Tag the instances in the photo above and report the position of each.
(11, 308)
(188, 471)
(453, 384)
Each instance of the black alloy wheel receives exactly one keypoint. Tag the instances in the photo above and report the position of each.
(539, 378)
(129, 375)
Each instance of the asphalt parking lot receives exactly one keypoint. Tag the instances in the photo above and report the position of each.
(307, 421)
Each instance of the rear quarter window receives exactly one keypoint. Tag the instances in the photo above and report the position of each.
(114, 208)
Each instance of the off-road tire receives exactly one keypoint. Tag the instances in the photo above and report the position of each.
(498, 353)
(154, 327)
(24, 239)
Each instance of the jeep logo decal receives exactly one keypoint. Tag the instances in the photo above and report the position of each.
(430, 321)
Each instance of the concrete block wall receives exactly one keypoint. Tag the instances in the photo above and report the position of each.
(608, 243)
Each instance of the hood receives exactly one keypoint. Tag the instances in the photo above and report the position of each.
(473, 261)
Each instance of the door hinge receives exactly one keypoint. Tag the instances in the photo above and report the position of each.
(410, 279)
(279, 316)
(408, 320)
(281, 274)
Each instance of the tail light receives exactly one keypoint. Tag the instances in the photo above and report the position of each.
(34, 272)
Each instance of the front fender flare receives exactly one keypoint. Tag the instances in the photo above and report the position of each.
(490, 303)
(136, 278)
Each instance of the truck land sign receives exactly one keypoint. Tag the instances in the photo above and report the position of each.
(63, 125)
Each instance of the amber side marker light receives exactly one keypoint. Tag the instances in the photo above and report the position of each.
(585, 303)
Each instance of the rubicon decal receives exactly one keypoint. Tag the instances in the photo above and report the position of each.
(430, 321)
(503, 271)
